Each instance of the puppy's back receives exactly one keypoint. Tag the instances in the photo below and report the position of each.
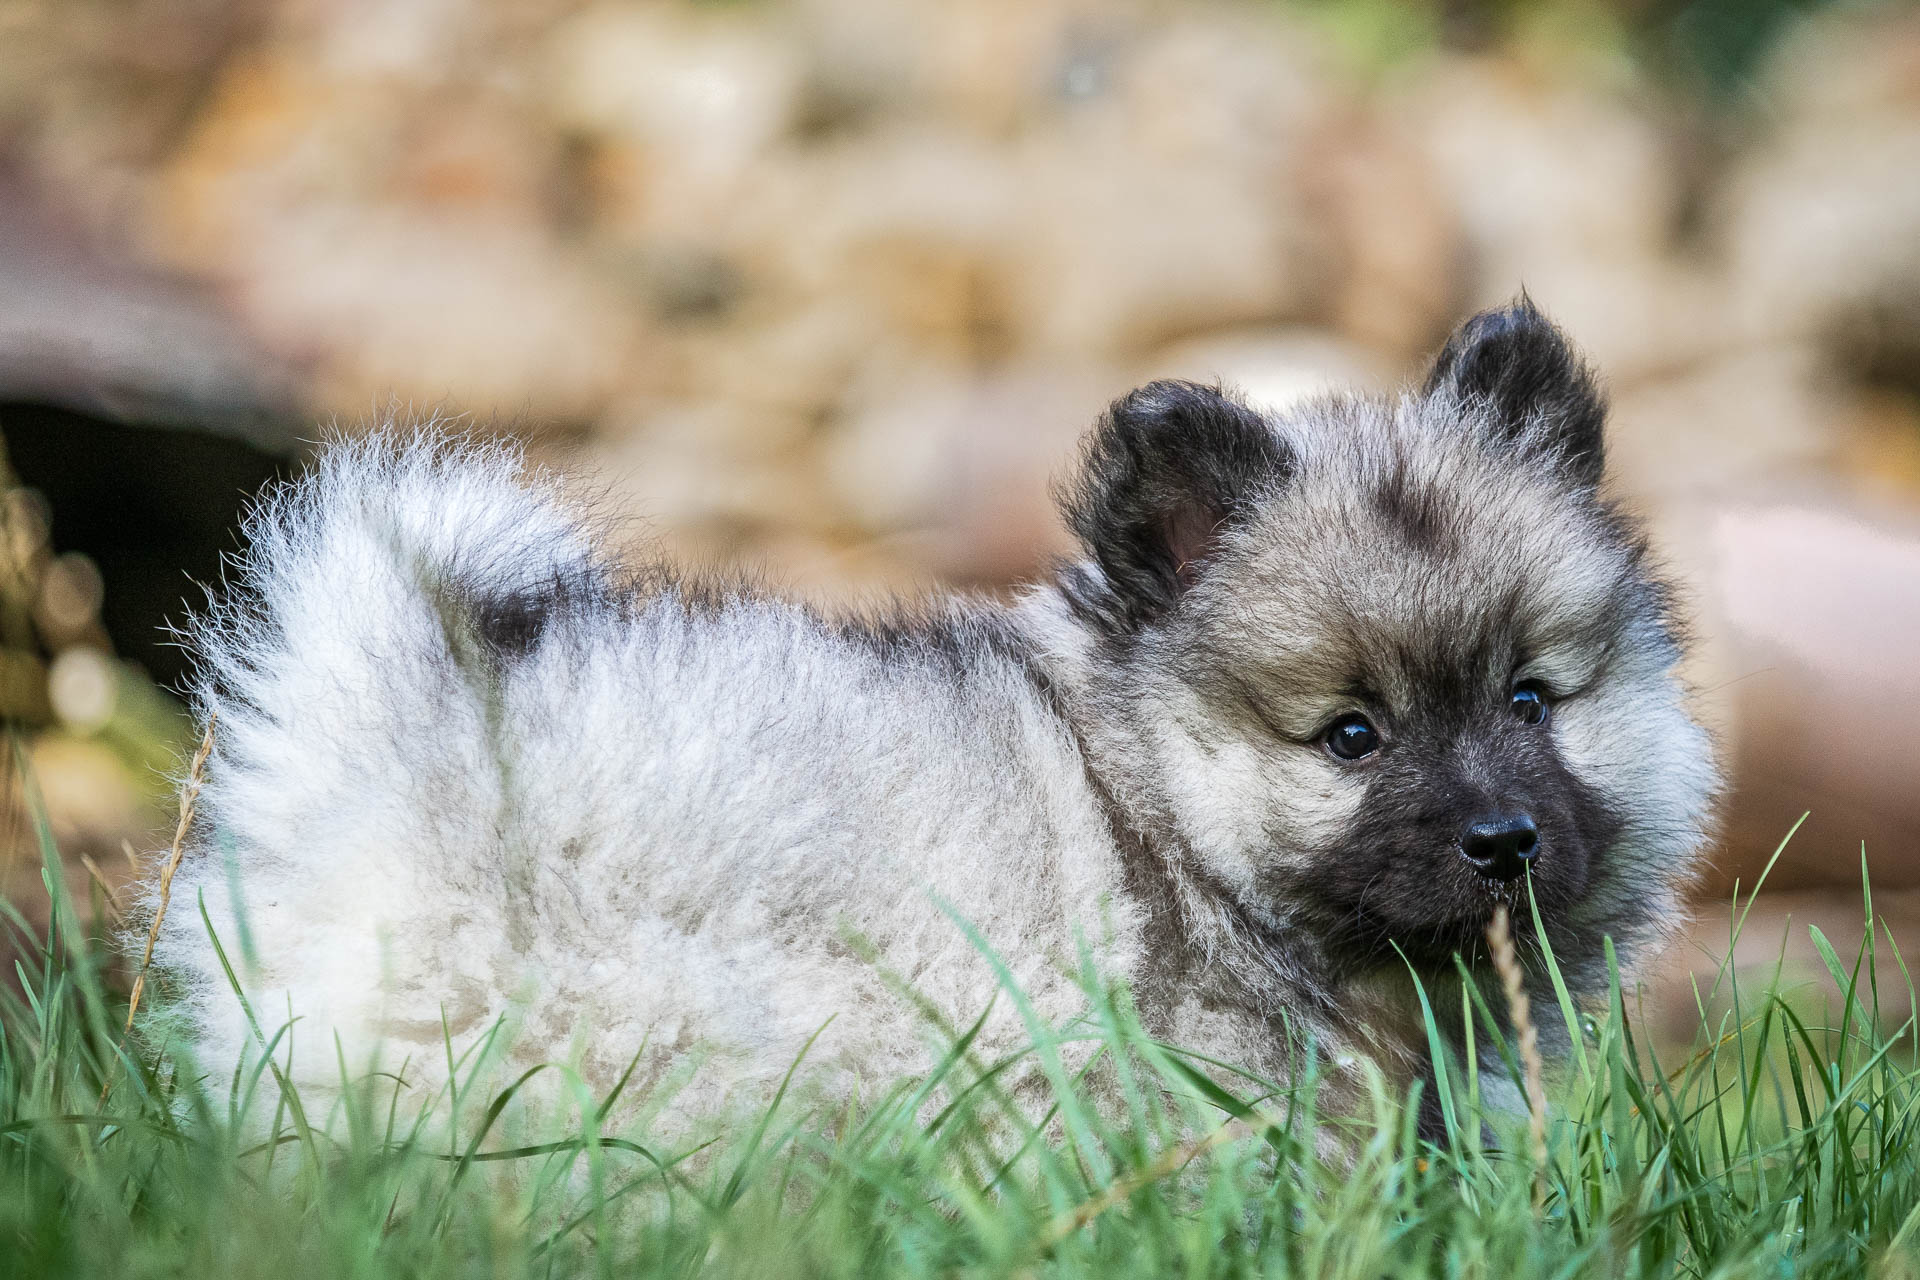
(464, 778)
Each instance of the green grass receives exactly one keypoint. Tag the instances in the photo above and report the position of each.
(1779, 1142)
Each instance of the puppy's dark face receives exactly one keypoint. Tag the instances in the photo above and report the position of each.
(1470, 803)
(1388, 664)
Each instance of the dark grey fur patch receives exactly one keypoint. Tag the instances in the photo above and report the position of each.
(1167, 467)
(511, 625)
(512, 621)
(1415, 512)
(1516, 364)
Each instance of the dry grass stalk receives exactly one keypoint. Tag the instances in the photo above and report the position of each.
(189, 793)
(1519, 1012)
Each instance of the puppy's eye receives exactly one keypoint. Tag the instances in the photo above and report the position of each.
(1530, 703)
(1352, 738)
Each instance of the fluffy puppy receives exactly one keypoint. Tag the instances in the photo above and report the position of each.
(1324, 687)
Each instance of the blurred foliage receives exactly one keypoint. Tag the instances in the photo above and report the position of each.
(1714, 47)
(1710, 49)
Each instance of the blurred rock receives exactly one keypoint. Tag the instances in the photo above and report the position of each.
(795, 361)
(995, 63)
(1820, 605)
(704, 93)
(88, 328)
(276, 135)
(419, 42)
(1124, 250)
(432, 310)
(1822, 218)
(419, 273)
(1173, 200)
(1534, 163)
(989, 67)
(1276, 367)
(1880, 453)
(1747, 421)
(1570, 192)
(1397, 252)
(713, 466)
(912, 226)
(893, 458)
(92, 93)
(967, 463)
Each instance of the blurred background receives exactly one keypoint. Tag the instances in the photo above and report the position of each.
(829, 288)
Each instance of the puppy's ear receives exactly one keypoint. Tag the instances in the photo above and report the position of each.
(1514, 365)
(1164, 473)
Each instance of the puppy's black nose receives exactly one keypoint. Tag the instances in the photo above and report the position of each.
(1501, 846)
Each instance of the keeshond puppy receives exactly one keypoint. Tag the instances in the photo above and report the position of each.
(1324, 686)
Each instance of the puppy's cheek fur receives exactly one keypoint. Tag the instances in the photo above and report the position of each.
(1245, 808)
(1632, 735)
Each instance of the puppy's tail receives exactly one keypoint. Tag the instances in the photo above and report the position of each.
(367, 668)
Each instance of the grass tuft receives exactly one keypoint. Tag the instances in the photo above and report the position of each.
(1782, 1139)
